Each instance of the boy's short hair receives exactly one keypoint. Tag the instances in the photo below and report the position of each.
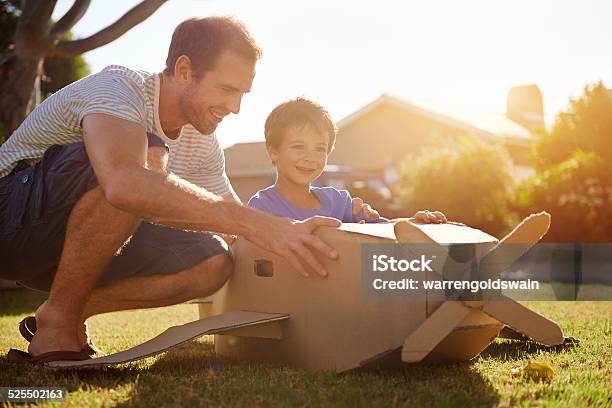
(204, 39)
(298, 112)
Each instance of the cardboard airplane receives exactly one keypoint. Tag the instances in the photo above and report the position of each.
(268, 311)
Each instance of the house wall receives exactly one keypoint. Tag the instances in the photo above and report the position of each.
(387, 134)
(520, 152)
(246, 186)
(244, 158)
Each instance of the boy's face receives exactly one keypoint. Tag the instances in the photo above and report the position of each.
(302, 154)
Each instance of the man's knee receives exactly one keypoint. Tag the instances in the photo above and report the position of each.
(221, 268)
(209, 276)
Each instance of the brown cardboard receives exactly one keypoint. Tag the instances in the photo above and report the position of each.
(332, 327)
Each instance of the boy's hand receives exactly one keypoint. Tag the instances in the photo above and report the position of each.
(294, 241)
(429, 217)
(368, 211)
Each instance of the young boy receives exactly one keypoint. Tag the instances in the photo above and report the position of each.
(300, 135)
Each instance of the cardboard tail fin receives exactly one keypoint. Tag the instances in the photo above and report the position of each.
(177, 335)
(525, 321)
(514, 245)
(530, 230)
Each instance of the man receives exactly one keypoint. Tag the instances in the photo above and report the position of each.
(120, 147)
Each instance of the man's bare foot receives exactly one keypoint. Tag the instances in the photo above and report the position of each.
(82, 330)
(54, 333)
(53, 339)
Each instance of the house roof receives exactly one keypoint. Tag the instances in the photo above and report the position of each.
(470, 120)
(251, 159)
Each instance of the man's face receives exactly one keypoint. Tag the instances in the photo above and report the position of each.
(206, 101)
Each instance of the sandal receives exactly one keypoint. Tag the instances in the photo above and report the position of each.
(18, 356)
(27, 328)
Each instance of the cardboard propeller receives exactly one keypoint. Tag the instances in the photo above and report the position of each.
(450, 317)
(268, 311)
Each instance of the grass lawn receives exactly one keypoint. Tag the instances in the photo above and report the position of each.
(193, 376)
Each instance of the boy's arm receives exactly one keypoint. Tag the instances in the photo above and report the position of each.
(117, 150)
(354, 209)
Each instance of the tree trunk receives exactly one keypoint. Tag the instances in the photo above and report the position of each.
(36, 39)
(17, 76)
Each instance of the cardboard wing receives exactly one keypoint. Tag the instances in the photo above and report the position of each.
(177, 335)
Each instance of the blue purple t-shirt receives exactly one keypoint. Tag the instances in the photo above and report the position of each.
(334, 203)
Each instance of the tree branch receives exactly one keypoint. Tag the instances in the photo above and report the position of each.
(33, 24)
(36, 13)
(130, 19)
(68, 20)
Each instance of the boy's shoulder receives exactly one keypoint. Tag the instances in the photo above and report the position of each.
(333, 193)
(262, 195)
(265, 191)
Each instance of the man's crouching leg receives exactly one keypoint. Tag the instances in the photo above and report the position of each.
(159, 290)
(93, 232)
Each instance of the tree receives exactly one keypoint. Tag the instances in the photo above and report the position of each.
(59, 72)
(574, 171)
(36, 38)
(470, 181)
(586, 125)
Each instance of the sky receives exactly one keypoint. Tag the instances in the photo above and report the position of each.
(344, 54)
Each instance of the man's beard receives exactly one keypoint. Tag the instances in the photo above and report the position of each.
(194, 117)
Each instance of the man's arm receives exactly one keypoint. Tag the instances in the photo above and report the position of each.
(231, 197)
(117, 150)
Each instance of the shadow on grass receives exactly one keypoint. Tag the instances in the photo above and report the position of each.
(506, 350)
(193, 376)
(73, 380)
(185, 361)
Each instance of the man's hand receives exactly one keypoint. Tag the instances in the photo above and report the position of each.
(228, 238)
(368, 211)
(295, 241)
(429, 217)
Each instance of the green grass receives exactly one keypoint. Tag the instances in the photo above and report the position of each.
(193, 376)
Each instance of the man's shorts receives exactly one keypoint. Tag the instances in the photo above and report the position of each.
(35, 203)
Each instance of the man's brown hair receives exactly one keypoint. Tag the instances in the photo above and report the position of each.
(298, 112)
(204, 39)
